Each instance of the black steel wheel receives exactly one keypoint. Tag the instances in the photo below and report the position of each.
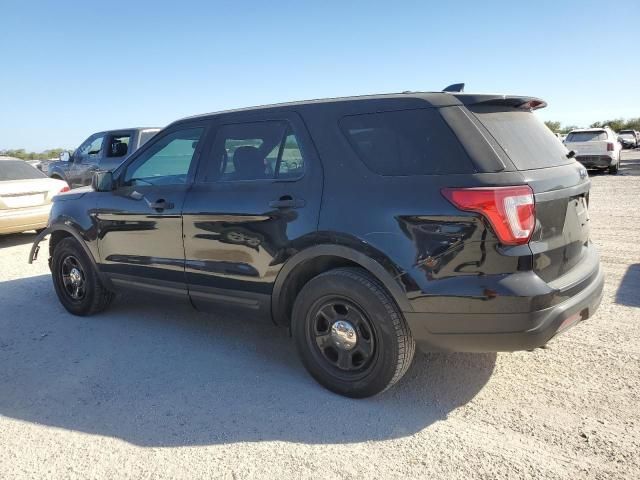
(350, 335)
(76, 280)
(343, 334)
(73, 278)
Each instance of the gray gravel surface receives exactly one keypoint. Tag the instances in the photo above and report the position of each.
(156, 390)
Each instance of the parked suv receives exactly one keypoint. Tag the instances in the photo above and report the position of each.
(101, 151)
(366, 225)
(596, 148)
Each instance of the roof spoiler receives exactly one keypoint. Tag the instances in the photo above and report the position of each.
(513, 101)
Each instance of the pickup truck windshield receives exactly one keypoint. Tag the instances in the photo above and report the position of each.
(18, 170)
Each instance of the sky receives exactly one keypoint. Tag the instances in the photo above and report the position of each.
(71, 68)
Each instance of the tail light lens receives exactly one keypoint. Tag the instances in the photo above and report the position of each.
(510, 210)
(609, 147)
(64, 189)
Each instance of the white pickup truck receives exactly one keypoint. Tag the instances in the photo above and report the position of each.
(595, 148)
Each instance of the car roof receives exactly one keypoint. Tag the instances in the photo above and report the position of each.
(434, 99)
(595, 129)
(131, 128)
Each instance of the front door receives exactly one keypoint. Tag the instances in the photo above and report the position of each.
(257, 194)
(139, 223)
(86, 160)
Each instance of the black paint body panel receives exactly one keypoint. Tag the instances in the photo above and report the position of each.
(223, 244)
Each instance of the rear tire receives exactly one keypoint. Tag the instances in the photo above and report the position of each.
(350, 335)
(613, 169)
(76, 281)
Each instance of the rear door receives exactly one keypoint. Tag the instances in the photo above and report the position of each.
(560, 185)
(118, 146)
(256, 196)
(139, 223)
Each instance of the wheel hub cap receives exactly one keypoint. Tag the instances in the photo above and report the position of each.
(344, 335)
(75, 277)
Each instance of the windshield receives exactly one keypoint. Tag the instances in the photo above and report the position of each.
(628, 136)
(525, 139)
(18, 170)
(592, 136)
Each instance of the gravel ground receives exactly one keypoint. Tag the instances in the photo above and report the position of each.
(159, 391)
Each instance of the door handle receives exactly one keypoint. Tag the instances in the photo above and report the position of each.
(287, 201)
(160, 205)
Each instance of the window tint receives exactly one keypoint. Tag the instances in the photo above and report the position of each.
(408, 142)
(118, 146)
(525, 139)
(167, 161)
(254, 151)
(18, 170)
(587, 136)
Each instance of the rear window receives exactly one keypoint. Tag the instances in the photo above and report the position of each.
(525, 139)
(407, 142)
(587, 136)
(18, 170)
(145, 136)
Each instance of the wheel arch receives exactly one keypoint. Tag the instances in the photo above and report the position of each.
(312, 261)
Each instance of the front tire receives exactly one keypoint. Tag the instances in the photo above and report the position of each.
(350, 335)
(76, 281)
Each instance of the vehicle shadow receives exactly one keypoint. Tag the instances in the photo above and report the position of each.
(156, 373)
(15, 239)
(628, 292)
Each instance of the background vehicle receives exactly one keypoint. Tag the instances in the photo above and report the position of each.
(101, 151)
(453, 221)
(629, 138)
(596, 148)
(25, 196)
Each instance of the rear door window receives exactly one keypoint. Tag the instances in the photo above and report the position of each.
(266, 150)
(524, 138)
(587, 136)
(118, 145)
(407, 142)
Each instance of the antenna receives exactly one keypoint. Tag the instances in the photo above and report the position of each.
(456, 87)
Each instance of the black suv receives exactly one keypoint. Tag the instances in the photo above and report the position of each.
(365, 225)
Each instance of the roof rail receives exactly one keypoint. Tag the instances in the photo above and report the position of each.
(455, 87)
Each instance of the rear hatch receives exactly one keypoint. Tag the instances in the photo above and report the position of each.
(589, 142)
(560, 240)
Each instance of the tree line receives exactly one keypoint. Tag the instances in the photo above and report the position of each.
(616, 125)
(24, 155)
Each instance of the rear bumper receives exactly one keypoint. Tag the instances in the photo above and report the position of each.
(494, 332)
(23, 219)
(595, 161)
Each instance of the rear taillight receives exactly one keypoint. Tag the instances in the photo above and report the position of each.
(510, 210)
(64, 189)
(609, 147)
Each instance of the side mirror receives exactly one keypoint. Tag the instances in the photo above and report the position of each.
(65, 156)
(102, 181)
(571, 154)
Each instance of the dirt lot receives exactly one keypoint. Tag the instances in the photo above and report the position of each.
(159, 391)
